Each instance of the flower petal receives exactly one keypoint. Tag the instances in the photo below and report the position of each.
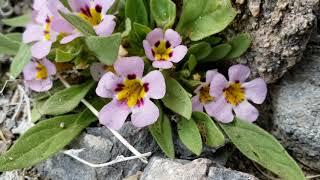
(246, 112)
(113, 115)
(107, 85)
(173, 37)
(156, 84)
(30, 71)
(239, 73)
(32, 33)
(76, 5)
(51, 68)
(70, 38)
(38, 4)
(105, 4)
(62, 26)
(39, 85)
(196, 104)
(155, 36)
(145, 115)
(218, 83)
(220, 110)
(129, 66)
(210, 75)
(148, 50)
(41, 49)
(106, 27)
(179, 53)
(256, 90)
(162, 64)
(97, 71)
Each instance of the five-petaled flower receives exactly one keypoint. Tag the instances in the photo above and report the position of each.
(37, 75)
(164, 48)
(236, 94)
(203, 99)
(131, 93)
(45, 27)
(94, 12)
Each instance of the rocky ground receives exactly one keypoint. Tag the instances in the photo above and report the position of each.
(283, 53)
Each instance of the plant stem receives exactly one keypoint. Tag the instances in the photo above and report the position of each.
(115, 133)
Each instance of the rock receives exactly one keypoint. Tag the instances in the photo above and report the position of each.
(280, 31)
(100, 147)
(159, 168)
(296, 106)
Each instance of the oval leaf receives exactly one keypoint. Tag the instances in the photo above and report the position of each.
(44, 140)
(79, 23)
(203, 18)
(8, 45)
(200, 50)
(163, 12)
(261, 147)
(136, 12)
(211, 134)
(240, 45)
(162, 133)
(218, 53)
(177, 98)
(20, 21)
(190, 135)
(66, 100)
(22, 58)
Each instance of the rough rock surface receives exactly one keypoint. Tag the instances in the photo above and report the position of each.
(100, 147)
(159, 169)
(296, 106)
(280, 30)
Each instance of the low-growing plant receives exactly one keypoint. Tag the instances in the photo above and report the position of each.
(144, 63)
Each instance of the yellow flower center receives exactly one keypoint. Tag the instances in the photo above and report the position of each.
(162, 50)
(132, 91)
(234, 94)
(204, 95)
(92, 15)
(47, 29)
(42, 72)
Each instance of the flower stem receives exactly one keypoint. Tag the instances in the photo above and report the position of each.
(115, 133)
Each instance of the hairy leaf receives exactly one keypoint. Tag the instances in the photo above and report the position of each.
(190, 135)
(261, 147)
(22, 58)
(177, 98)
(20, 21)
(8, 45)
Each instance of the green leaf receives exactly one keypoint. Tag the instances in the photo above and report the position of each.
(79, 23)
(105, 48)
(67, 54)
(192, 63)
(211, 134)
(177, 98)
(20, 21)
(8, 45)
(162, 133)
(218, 53)
(66, 4)
(163, 12)
(136, 11)
(136, 37)
(66, 100)
(44, 140)
(190, 135)
(203, 18)
(261, 147)
(35, 113)
(15, 36)
(200, 50)
(128, 28)
(240, 44)
(22, 58)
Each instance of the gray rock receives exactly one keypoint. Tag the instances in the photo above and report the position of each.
(100, 147)
(159, 169)
(296, 106)
(280, 30)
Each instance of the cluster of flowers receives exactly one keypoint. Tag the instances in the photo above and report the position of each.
(124, 82)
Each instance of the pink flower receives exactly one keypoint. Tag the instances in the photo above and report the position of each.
(203, 99)
(164, 48)
(37, 75)
(94, 12)
(131, 93)
(97, 70)
(45, 27)
(236, 94)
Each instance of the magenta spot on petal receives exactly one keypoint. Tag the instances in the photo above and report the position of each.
(48, 19)
(153, 53)
(237, 81)
(98, 8)
(157, 44)
(119, 87)
(168, 45)
(140, 102)
(132, 76)
(146, 87)
(171, 54)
